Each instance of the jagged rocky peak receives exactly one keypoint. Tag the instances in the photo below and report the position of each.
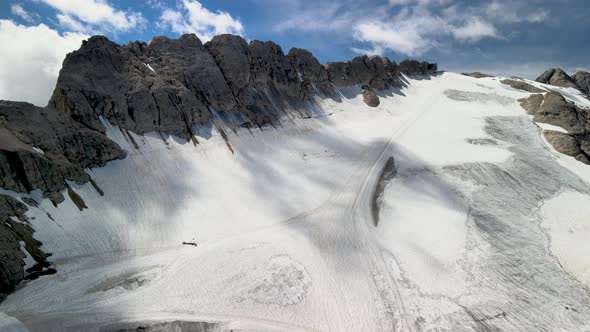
(169, 85)
(377, 72)
(557, 77)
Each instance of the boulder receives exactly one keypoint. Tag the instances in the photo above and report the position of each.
(369, 96)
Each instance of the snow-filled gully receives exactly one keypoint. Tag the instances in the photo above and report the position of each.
(307, 229)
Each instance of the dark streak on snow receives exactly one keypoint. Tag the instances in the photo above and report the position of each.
(77, 199)
(96, 187)
(165, 326)
(388, 172)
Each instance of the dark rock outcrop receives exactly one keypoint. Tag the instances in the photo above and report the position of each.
(416, 68)
(476, 74)
(532, 103)
(556, 110)
(41, 147)
(522, 85)
(379, 73)
(566, 144)
(170, 84)
(582, 80)
(557, 77)
(369, 96)
(553, 108)
(14, 231)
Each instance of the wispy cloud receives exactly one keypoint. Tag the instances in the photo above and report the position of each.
(19, 11)
(408, 27)
(192, 17)
(92, 15)
(474, 29)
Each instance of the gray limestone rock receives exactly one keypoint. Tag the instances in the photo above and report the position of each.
(377, 72)
(532, 103)
(12, 234)
(416, 68)
(477, 74)
(369, 96)
(557, 111)
(582, 80)
(566, 144)
(42, 147)
(557, 77)
(521, 85)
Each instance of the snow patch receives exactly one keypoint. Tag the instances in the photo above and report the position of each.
(566, 222)
(150, 67)
(29, 260)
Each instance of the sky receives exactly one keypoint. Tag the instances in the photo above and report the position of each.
(502, 37)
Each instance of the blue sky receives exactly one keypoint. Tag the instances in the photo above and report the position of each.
(504, 37)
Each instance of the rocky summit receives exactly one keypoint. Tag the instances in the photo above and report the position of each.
(557, 77)
(169, 85)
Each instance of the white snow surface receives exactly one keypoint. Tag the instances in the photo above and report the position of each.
(149, 67)
(29, 260)
(569, 228)
(286, 238)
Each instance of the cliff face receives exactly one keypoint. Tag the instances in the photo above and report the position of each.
(170, 84)
(167, 85)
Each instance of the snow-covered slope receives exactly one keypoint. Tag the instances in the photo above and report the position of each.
(469, 234)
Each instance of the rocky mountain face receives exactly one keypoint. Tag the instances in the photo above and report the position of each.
(167, 85)
(554, 109)
(170, 84)
(582, 80)
(558, 77)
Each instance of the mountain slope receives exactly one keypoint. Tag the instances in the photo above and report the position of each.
(176, 87)
(286, 237)
(443, 207)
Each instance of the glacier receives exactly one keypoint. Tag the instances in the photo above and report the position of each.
(480, 228)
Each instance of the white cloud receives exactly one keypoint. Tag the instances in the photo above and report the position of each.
(192, 17)
(30, 60)
(474, 30)
(408, 27)
(418, 2)
(513, 12)
(19, 11)
(404, 38)
(71, 24)
(94, 13)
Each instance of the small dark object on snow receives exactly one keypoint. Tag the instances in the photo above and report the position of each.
(191, 243)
